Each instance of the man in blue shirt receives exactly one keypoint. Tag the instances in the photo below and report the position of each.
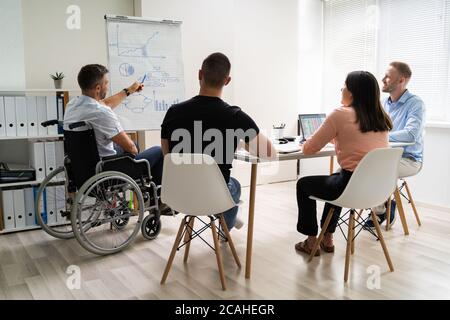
(407, 112)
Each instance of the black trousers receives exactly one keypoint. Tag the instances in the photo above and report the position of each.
(323, 187)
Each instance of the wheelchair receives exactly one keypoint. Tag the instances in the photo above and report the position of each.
(100, 202)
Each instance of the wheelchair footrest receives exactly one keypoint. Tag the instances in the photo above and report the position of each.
(65, 214)
(165, 210)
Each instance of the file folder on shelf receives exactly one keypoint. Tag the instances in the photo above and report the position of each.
(52, 114)
(50, 157)
(32, 116)
(8, 209)
(10, 116)
(41, 107)
(59, 150)
(30, 215)
(21, 117)
(37, 159)
(2, 118)
(60, 204)
(19, 208)
(51, 205)
(42, 205)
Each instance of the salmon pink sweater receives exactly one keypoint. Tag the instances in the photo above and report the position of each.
(351, 145)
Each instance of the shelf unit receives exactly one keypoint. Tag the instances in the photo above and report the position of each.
(26, 183)
(55, 137)
(20, 229)
(64, 93)
(13, 91)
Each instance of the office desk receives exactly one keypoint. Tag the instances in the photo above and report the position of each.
(326, 152)
(243, 156)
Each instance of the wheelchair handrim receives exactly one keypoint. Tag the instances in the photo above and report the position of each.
(84, 192)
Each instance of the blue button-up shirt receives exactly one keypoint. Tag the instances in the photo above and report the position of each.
(408, 117)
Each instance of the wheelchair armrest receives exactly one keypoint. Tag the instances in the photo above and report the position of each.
(76, 125)
(119, 156)
(51, 123)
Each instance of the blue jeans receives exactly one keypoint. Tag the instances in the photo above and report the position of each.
(235, 190)
(155, 158)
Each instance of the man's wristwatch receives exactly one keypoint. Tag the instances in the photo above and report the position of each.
(127, 92)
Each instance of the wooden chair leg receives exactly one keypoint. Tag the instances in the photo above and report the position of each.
(355, 221)
(229, 240)
(383, 244)
(350, 233)
(187, 237)
(174, 250)
(401, 211)
(413, 205)
(322, 233)
(357, 216)
(218, 254)
(388, 214)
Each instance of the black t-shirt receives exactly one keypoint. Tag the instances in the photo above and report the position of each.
(212, 125)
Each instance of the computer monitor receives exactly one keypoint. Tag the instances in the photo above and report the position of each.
(309, 123)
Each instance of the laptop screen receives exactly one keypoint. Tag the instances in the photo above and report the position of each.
(309, 123)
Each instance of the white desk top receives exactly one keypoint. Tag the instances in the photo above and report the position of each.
(328, 151)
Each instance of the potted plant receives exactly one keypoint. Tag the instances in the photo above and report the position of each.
(57, 78)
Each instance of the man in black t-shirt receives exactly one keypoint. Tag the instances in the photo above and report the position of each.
(206, 124)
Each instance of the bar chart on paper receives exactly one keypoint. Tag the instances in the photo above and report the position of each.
(149, 52)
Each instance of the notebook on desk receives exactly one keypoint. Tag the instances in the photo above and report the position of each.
(287, 147)
(280, 148)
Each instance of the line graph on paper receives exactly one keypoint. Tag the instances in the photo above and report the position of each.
(126, 49)
(149, 53)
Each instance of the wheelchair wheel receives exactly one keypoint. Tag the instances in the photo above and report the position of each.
(151, 226)
(120, 223)
(104, 207)
(53, 205)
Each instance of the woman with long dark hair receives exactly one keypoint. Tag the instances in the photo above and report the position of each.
(357, 127)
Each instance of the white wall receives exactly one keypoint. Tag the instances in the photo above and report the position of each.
(11, 45)
(261, 39)
(310, 72)
(50, 46)
(431, 185)
(310, 56)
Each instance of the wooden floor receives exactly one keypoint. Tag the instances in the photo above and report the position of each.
(33, 265)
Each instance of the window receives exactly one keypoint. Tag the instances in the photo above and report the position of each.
(349, 44)
(367, 35)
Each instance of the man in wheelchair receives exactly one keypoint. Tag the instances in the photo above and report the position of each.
(106, 193)
(96, 110)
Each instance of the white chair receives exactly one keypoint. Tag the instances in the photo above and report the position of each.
(397, 195)
(401, 212)
(372, 182)
(193, 184)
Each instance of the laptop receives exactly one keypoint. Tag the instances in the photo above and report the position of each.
(309, 123)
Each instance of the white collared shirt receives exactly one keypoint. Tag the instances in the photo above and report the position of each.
(99, 117)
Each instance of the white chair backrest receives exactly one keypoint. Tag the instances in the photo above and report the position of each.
(373, 180)
(193, 184)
